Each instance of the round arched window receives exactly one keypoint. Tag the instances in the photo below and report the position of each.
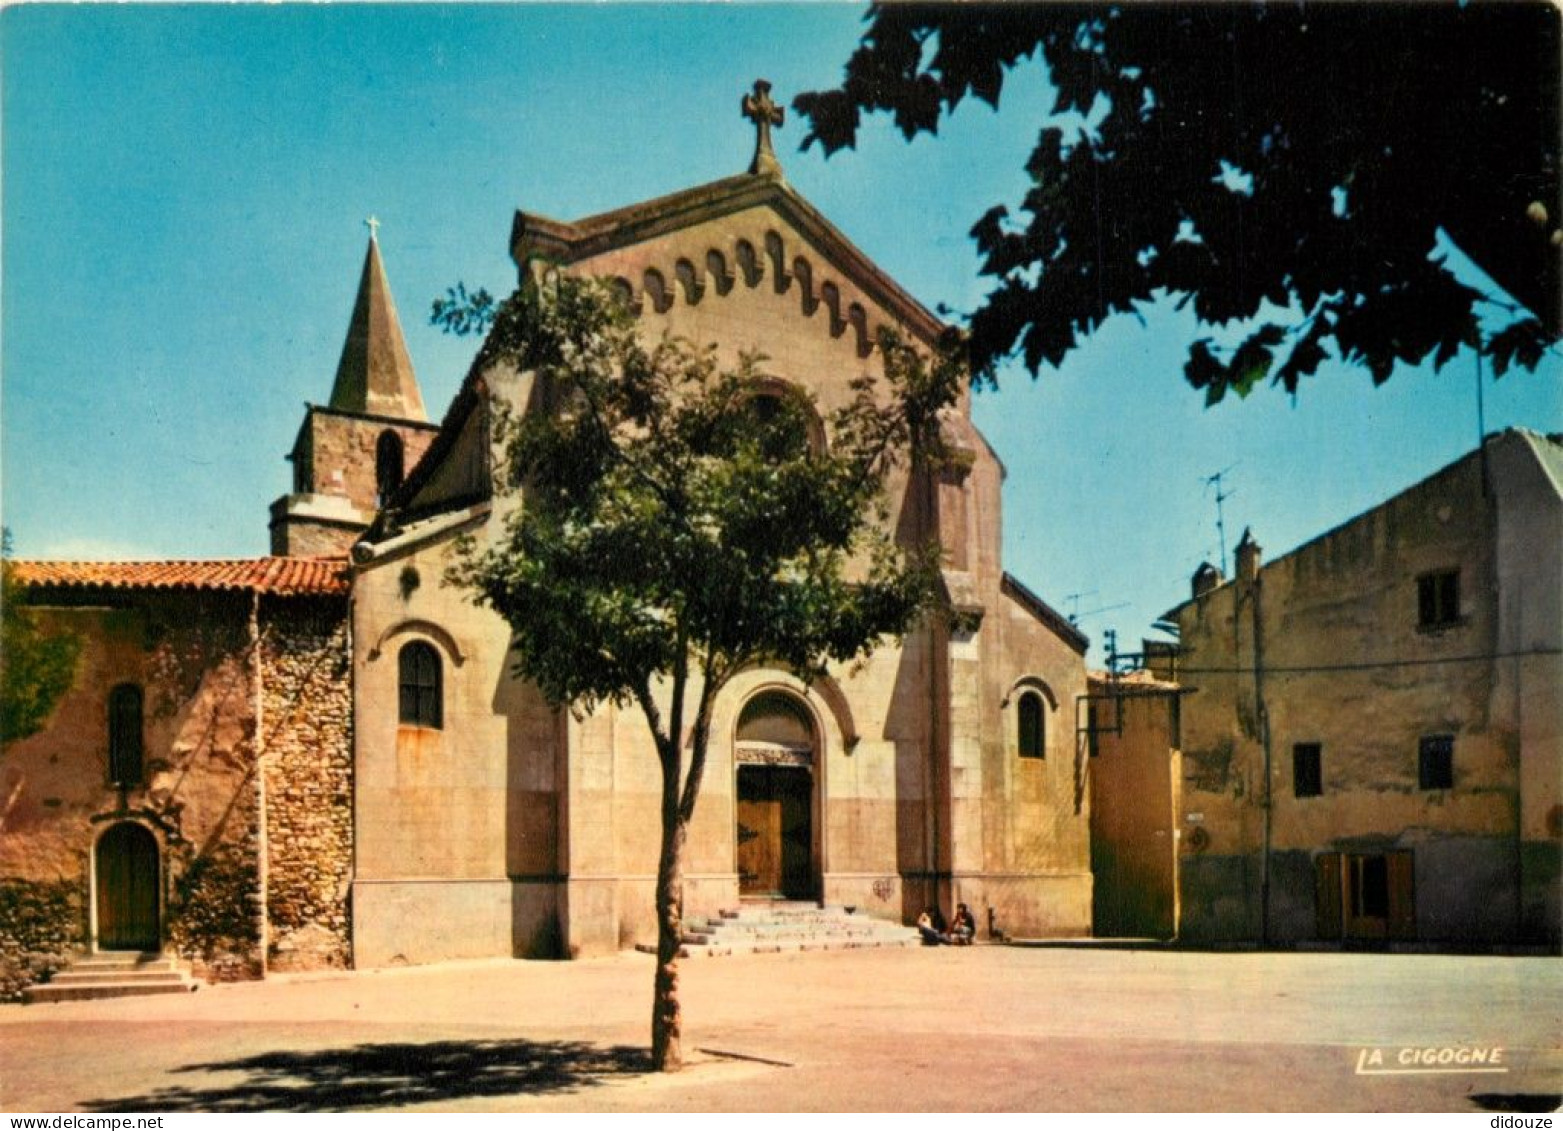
(1031, 714)
(421, 701)
(774, 718)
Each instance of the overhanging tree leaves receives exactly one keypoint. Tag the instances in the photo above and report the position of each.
(36, 666)
(678, 522)
(1287, 163)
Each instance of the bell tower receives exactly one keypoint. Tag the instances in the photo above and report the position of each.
(352, 454)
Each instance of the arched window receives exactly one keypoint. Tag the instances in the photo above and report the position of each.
(774, 718)
(782, 420)
(1032, 718)
(125, 735)
(387, 465)
(421, 703)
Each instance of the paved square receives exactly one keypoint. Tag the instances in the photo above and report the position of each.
(986, 1028)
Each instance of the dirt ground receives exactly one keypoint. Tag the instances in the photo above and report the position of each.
(985, 1029)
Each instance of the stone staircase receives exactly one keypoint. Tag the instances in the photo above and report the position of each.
(771, 928)
(111, 974)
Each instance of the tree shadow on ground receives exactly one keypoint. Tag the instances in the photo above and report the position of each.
(1517, 1101)
(389, 1075)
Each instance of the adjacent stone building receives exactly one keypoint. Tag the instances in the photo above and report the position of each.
(191, 792)
(488, 823)
(1372, 739)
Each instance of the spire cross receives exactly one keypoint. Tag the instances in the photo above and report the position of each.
(764, 113)
(373, 224)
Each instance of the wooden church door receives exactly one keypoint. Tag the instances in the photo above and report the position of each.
(127, 868)
(775, 832)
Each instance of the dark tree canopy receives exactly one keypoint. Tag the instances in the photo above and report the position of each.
(1235, 155)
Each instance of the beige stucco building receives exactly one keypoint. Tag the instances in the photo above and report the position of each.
(507, 827)
(1372, 735)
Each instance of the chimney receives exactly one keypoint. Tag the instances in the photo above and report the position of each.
(1247, 556)
(1206, 578)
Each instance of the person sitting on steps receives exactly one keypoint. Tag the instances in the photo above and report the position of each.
(930, 924)
(964, 928)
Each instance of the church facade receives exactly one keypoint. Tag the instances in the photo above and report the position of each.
(947, 767)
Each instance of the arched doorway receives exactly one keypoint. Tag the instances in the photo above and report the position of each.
(775, 753)
(127, 895)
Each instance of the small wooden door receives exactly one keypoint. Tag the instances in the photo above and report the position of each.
(127, 870)
(775, 832)
(1365, 895)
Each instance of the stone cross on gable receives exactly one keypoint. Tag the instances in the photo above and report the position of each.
(764, 113)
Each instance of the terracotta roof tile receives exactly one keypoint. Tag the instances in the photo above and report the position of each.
(259, 575)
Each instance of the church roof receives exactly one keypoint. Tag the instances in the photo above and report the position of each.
(1049, 616)
(287, 576)
(539, 237)
(375, 374)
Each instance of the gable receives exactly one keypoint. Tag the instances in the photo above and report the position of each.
(743, 237)
(744, 264)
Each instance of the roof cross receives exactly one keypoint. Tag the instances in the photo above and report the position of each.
(373, 224)
(764, 113)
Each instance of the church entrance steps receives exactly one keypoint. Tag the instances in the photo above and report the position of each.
(777, 927)
(111, 974)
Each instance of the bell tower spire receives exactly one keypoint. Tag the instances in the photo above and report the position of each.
(375, 375)
(352, 454)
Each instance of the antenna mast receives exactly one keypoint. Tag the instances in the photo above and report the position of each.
(1221, 497)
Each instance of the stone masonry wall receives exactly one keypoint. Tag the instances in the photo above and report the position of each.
(306, 712)
(42, 923)
(189, 653)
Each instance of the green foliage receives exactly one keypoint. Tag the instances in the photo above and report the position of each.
(679, 516)
(1290, 165)
(36, 667)
(40, 927)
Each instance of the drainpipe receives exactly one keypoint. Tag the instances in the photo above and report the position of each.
(1264, 737)
(1247, 563)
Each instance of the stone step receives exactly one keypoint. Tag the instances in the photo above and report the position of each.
(78, 976)
(722, 948)
(771, 928)
(53, 991)
(111, 974)
(127, 961)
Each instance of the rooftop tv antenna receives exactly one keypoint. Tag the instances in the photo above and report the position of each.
(1222, 496)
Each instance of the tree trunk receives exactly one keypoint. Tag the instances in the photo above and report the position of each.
(667, 1053)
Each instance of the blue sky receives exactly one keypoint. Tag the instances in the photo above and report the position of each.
(184, 190)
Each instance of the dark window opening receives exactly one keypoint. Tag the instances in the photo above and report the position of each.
(1092, 746)
(388, 455)
(1435, 762)
(420, 700)
(1438, 599)
(125, 748)
(1033, 739)
(779, 424)
(1307, 770)
(1370, 887)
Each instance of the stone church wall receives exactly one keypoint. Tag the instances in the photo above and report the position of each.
(306, 712)
(457, 825)
(194, 657)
